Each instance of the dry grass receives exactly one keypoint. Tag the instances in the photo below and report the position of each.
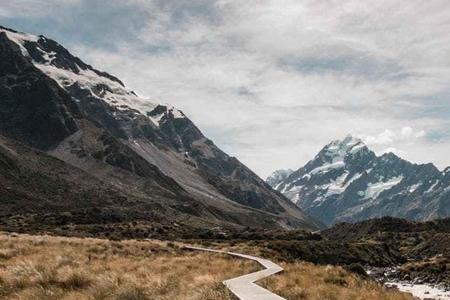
(306, 281)
(310, 282)
(42, 267)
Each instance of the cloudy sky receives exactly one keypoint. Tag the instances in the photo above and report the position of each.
(272, 82)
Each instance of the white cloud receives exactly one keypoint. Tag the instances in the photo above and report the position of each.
(408, 134)
(406, 142)
(386, 137)
(273, 81)
(389, 137)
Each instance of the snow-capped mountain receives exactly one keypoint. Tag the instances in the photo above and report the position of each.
(347, 182)
(53, 101)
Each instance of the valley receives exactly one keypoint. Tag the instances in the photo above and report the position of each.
(105, 194)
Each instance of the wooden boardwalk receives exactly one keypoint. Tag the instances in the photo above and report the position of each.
(244, 287)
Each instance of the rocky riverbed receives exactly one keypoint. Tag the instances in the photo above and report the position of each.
(422, 291)
(422, 287)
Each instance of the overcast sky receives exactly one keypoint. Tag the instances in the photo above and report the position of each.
(272, 82)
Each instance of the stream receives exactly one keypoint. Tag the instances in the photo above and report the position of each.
(422, 291)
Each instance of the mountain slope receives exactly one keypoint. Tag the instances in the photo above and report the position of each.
(33, 182)
(56, 103)
(347, 182)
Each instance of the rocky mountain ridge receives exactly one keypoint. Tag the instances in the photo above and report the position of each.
(54, 102)
(346, 181)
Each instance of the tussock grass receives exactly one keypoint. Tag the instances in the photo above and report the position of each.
(44, 267)
(54, 268)
(307, 281)
(311, 282)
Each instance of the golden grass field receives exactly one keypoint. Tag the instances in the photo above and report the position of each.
(44, 267)
(307, 281)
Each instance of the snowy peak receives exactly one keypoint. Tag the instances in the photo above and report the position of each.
(44, 51)
(71, 73)
(338, 155)
(346, 143)
(390, 156)
(348, 182)
(337, 150)
(19, 39)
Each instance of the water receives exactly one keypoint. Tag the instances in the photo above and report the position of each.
(422, 291)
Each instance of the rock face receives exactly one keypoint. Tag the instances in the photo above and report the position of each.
(347, 182)
(56, 103)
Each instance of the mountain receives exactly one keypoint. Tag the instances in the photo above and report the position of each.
(278, 176)
(151, 154)
(346, 181)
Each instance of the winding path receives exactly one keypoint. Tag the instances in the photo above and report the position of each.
(244, 287)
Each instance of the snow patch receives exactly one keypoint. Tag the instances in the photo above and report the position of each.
(177, 114)
(337, 186)
(432, 187)
(355, 177)
(293, 189)
(278, 185)
(414, 187)
(115, 94)
(170, 110)
(327, 167)
(357, 148)
(294, 193)
(296, 198)
(375, 189)
(156, 119)
(20, 39)
(318, 200)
